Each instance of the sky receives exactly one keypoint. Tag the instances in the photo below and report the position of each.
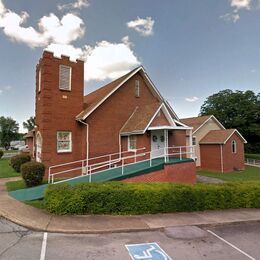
(190, 49)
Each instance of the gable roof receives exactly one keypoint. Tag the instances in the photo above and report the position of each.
(220, 136)
(96, 98)
(199, 121)
(140, 118)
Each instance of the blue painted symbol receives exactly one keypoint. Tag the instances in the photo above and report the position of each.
(147, 251)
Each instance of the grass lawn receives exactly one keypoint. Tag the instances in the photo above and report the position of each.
(15, 185)
(6, 170)
(249, 174)
(253, 156)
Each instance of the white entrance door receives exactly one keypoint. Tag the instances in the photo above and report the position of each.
(158, 143)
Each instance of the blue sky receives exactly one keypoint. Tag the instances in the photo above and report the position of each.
(190, 49)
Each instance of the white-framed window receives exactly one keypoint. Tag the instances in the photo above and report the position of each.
(131, 142)
(65, 77)
(234, 146)
(64, 142)
(193, 140)
(39, 79)
(137, 88)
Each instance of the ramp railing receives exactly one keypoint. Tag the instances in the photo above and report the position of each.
(84, 167)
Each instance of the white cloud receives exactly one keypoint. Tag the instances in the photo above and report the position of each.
(240, 4)
(105, 60)
(50, 28)
(109, 60)
(1, 91)
(79, 4)
(191, 99)
(230, 17)
(143, 26)
(66, 49)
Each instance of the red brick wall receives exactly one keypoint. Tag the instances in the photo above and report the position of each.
(179, 173)
(56, 109)
(160, 120)
(231, 160)
(107, 120)
(29, 142)
(210, 155)
(177, 138)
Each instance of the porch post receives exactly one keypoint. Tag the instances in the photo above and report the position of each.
(190, 141)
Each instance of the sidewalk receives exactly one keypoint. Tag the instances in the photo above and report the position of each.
(40, 220)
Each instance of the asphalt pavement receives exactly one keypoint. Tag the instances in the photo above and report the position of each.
(230, 241)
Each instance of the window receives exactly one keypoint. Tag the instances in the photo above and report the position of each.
(131, 142)
(39, 80)
(193, 140)
(64, 143)
(65, 77)
(234, 146)
(137, 88)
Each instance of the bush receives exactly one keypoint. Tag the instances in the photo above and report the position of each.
(32, 173)
(18, 160)
(1, 153)
(146, 198)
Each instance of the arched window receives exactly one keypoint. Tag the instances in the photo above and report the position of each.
(38, 147)
(234, 146)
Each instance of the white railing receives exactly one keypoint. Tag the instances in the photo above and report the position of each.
(86, 168)
(89, 165)
(252, 162)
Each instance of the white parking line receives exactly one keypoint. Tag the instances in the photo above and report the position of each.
(44, 244)
(222, 239)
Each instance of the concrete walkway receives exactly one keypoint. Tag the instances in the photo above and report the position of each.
(41, 220)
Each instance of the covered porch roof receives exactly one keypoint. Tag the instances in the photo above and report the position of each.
(142, 118)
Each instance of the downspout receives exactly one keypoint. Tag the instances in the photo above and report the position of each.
(221, 158)
(86, 124)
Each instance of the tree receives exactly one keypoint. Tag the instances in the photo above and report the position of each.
(29, 123)
(8, 131)
(237, 109)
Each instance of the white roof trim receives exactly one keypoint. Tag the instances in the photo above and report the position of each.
(166, 113)
(114, 90)
(170, 107)
(235, 131)
(131, 75)
(180, 123)
(211, 117)
(169, 128)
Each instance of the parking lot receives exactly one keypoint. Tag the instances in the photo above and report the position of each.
(236, 241)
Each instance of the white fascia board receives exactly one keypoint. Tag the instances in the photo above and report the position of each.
(114, 90)
(235, 131)
(207, 121)
(169, 128)
(139, 132)
(157, 111)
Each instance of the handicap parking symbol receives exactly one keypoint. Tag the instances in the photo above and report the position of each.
(147, 251)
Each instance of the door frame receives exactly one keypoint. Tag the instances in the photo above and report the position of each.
(165, 134)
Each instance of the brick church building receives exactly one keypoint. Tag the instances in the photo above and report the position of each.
(123, 116)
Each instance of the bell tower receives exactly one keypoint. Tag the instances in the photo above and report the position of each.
(59, 99)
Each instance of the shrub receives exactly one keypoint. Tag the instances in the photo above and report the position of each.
(32, 173)
(145, 198)
(1, 153)
(18, 160)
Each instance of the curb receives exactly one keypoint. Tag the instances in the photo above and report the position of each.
(120, 230)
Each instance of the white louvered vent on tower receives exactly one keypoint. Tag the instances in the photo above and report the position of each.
(65, 77)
